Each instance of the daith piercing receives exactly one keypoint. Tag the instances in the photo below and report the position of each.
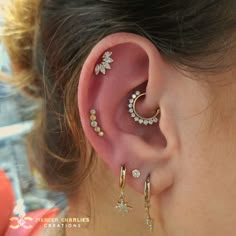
(137, 117)
(105, 65)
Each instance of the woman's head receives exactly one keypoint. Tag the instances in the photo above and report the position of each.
(181, 53)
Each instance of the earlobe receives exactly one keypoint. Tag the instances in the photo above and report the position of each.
(124, 67)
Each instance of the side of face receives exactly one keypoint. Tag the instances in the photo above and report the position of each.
(202, 199)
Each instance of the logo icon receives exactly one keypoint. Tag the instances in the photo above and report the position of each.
(20, 220)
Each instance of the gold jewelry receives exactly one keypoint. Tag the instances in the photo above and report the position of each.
(94, 123)
(147, 205)
(136, 173)
(122, 205)
(134, 114)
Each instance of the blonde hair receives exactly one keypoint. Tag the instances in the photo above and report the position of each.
(20, 17)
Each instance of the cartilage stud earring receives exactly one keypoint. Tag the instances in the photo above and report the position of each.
(94, 123)
(137, 117)
(105, 64)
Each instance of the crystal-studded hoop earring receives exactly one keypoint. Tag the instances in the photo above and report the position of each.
(122, 205)
(134, 114)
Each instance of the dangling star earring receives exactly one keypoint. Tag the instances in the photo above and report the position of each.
(122, 205)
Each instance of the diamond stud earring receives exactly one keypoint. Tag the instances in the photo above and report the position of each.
(94, 123)
(105, 65)
(134, 114)
(136, 173)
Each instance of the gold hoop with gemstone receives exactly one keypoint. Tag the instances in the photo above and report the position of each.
(134, 114)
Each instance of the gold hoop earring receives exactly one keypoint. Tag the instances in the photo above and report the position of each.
(147, 205)
(122, 205)
(134, 114)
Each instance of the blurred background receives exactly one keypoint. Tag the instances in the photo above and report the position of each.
(16, 114)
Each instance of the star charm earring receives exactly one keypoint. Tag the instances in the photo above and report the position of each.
(122, 205)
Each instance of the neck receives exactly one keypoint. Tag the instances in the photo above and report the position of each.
(97, 199)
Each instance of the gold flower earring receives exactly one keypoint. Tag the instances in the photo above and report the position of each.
(122, 205)
(147, 205)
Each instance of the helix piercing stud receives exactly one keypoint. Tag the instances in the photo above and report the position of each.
(134, 114)
(94, 123)
(105, 65)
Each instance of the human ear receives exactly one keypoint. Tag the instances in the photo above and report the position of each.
(136, 65)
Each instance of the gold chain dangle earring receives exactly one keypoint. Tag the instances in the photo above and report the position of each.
(122, 205)
(147, 205)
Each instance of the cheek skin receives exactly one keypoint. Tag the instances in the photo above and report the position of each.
(202, 200)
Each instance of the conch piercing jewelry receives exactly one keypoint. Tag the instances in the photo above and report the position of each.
(147, 205)
(136, 173)
(122, 205)
(105, 65)
(94, 123)
(134, 114)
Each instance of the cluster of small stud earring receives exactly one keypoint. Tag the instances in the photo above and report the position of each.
(134, 114)
(105, 65)
(94, 123)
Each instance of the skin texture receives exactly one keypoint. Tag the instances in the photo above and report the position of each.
(189, 154)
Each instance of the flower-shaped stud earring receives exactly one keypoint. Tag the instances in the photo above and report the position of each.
(105, 65)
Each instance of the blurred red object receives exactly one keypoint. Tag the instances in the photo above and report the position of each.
(7, 200)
